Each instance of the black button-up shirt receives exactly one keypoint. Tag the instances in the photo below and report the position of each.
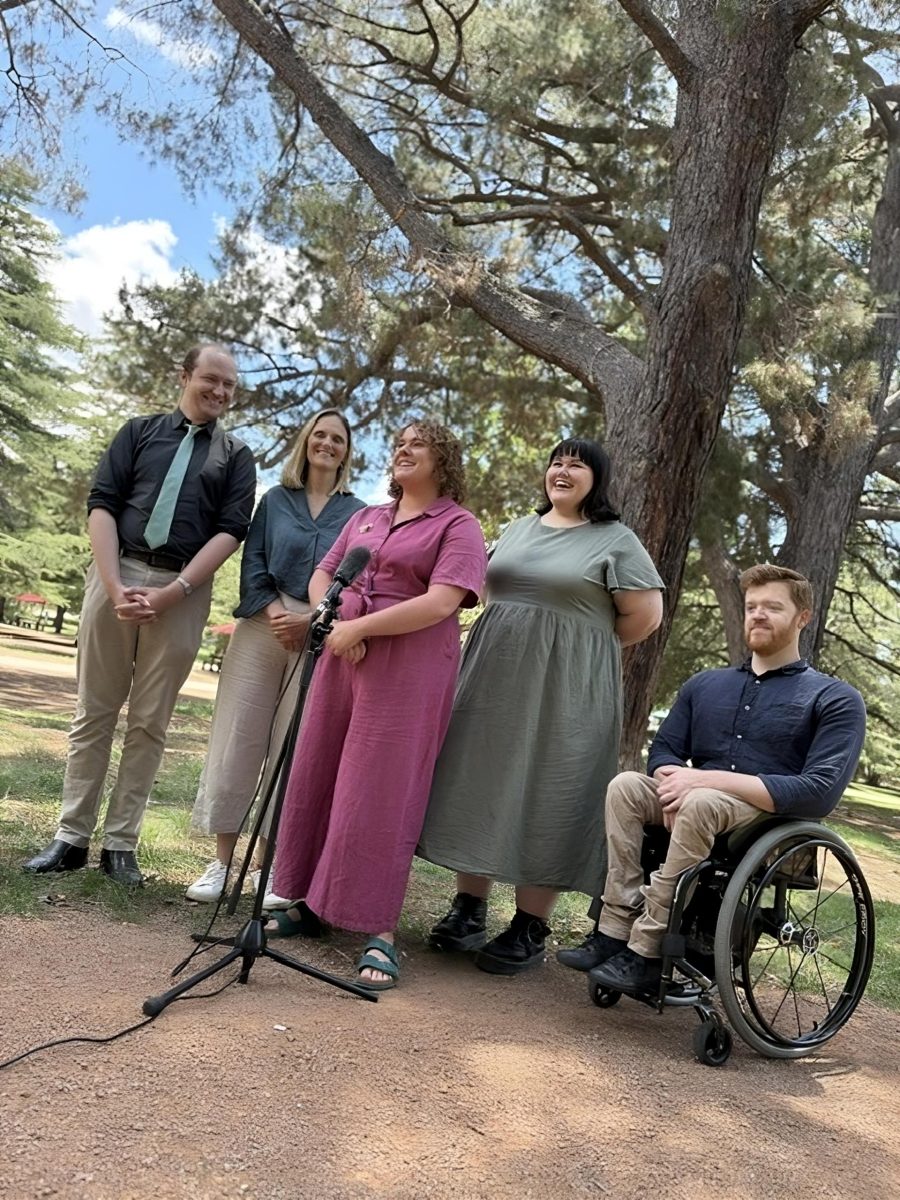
(799, 731)
(216, 496)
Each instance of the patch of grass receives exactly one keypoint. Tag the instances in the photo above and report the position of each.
(27, 646)
(884, 982)
(872, 841)
(31, 774)
(874, 797)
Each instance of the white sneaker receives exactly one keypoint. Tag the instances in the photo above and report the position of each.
(270, 900)
(210, 885)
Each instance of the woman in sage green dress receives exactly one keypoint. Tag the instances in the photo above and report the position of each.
(519, 787)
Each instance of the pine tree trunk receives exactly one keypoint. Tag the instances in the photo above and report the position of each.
(726, 128)
(826, 476)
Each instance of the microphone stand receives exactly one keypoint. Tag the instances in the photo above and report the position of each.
(251, 941)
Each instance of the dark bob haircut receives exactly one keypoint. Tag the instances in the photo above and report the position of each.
(596, 507)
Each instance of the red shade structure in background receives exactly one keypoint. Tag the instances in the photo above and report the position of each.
(227, 630)
(30, 598)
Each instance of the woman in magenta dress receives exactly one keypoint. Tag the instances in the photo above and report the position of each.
(380, 703)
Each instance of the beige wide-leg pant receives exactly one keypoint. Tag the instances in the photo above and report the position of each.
(118, 661)
(639, 912)
(257, 693)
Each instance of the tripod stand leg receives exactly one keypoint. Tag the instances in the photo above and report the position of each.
(154, 1005)
(345, 985)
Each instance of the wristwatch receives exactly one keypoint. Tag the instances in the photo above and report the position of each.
(188, 587)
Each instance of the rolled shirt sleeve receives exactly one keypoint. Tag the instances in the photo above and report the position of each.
(830, 761)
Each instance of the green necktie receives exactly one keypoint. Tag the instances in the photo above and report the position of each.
(156, 532)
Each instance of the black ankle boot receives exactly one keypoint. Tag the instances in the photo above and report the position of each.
(519, 946)
(463, 926)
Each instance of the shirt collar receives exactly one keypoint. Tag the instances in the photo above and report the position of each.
(179, 421)
(793, 668)
(435, 508)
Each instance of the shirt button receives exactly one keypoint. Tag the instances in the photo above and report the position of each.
(739, 736)
(733, 767)
(746, 708)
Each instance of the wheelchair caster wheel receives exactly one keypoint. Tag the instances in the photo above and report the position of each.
(603, 997)
(712, 1043)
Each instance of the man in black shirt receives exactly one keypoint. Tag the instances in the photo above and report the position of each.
(171, 501)
(772, 735)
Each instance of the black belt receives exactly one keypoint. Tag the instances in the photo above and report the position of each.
(165, 562)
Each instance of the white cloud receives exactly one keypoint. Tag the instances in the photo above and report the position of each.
(189, 55)
(97, 261)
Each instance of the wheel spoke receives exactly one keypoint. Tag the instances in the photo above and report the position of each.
(840, 929)
(765, 968)
(824, 987)
(840, 887)
(789, 987)
(834, 962)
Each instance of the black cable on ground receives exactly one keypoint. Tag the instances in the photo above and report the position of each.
(112, 1037)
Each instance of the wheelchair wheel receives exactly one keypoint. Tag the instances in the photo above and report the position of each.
(712, 1043)
(603, 997)
(794, 940)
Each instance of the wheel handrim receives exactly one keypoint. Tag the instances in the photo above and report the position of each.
(804, 962)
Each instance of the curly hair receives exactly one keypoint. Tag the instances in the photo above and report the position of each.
(451, 474)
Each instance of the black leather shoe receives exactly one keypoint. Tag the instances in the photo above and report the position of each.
(629, 972)
(463, 926)
(519, 946)
(59, 856)
(596, 948)
(121, 866)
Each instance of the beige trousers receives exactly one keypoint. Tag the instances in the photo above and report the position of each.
(636, 911)
(257, 693)
(118, 661)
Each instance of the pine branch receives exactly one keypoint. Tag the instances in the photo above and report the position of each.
(662, 41)
(585, 351)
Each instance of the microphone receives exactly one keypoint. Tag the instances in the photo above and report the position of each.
(353, 562)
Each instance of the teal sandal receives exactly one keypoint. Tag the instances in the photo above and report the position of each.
(308, 925)
(391, 967)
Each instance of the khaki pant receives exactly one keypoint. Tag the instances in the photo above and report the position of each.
(249, 724)
(118, 661)
(636, 911)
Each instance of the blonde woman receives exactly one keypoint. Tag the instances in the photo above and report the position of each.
(293, 528)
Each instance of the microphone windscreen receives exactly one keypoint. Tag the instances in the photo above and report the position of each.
(352, 563)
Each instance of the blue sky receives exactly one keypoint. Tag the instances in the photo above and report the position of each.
(136, 221)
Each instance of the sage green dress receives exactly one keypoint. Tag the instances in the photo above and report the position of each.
(520, 784)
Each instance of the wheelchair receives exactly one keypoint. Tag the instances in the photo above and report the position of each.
(778, 923)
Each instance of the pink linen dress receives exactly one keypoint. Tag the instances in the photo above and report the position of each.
(361, 774)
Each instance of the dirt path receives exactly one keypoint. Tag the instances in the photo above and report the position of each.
(457, 1085)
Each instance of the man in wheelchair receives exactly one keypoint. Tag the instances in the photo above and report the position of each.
(771, 735)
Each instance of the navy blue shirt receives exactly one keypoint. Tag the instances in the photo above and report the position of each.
(799, 731)
(285, 545)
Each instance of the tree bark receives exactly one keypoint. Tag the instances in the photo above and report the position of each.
(662, 417)
(826, 475)
(726, 127)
